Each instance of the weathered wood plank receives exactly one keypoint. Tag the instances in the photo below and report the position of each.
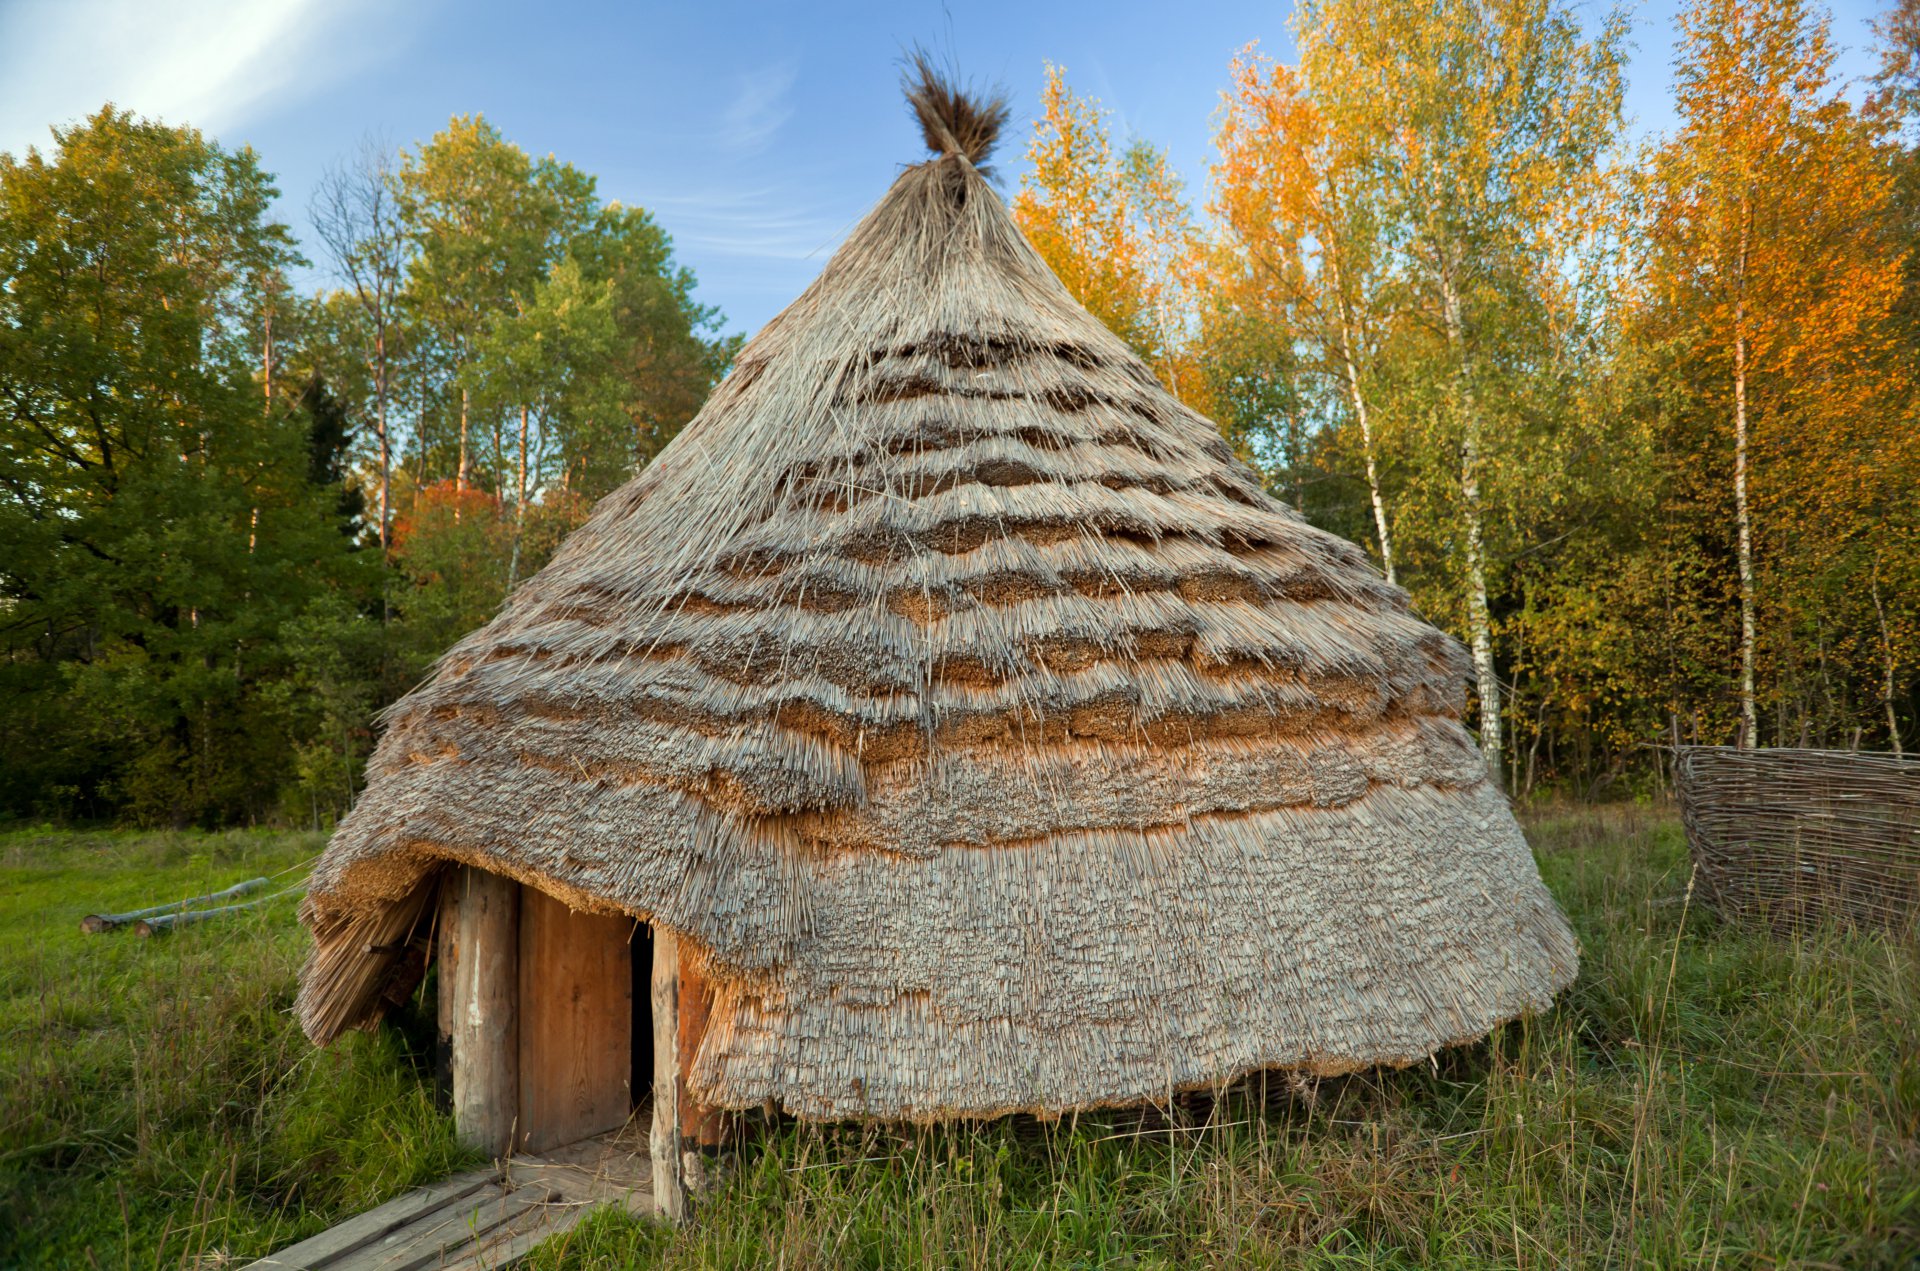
(508, 1246)
(431, 1244)
(485, 929)
(576, 1023)
(330, 1246)
(505, 1247)
(663, 1141)
(474, 1221)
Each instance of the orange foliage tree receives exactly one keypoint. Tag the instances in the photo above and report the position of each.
(1292, 201)
(1770, 281)
(1116, 229)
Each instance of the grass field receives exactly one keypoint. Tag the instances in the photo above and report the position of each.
(1702, 1097)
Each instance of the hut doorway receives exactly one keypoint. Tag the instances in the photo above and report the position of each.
(580, 1020)
(546, 1013)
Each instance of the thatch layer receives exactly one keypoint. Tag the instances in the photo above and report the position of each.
(995, 739)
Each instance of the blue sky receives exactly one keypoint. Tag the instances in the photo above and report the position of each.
(757, 133)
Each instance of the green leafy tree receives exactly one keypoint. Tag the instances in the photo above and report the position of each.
(485, 223)
(158, 521)
(1479, 131)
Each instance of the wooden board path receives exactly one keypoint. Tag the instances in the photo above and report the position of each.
(486, 1218)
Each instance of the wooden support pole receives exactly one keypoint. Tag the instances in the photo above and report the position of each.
(479, 987)
(663, 1137)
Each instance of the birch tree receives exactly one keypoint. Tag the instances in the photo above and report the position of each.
(484, 222)
(356, 217)
(1482, 127)
(1115, 228)
(1768, 261)
(1292, 199)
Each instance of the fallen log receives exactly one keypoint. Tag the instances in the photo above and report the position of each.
(94, 924)
(180, 918)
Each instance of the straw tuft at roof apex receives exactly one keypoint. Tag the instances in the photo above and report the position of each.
(953, 120)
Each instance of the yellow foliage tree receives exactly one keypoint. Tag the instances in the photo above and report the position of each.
(1768, 261)
(1116, 230)
(1290, 195)
(1474, 131)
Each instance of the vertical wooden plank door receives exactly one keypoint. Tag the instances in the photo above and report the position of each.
(576, 1022)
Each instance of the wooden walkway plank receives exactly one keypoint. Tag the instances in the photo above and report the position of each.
(483, 1220)
(508, 1247)
(431, 1245)
(327, 1248)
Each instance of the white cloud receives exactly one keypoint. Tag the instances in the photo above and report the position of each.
(764, 222)
(214, 64)
(758, 109)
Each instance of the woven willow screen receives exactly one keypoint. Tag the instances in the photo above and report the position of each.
(1798, 836)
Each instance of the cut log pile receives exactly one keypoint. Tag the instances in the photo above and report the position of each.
(180, 913)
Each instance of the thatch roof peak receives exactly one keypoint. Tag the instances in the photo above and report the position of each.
(953, 120)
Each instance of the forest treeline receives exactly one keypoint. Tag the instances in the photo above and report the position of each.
(1635, 420)
(236, 520)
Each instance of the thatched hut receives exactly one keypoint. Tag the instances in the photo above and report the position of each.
(958, 729)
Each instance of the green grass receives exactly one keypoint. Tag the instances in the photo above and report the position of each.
(1702, 1097)
(158, 1105)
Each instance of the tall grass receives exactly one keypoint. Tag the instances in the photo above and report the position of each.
(1702, 1097)
(158, 1106)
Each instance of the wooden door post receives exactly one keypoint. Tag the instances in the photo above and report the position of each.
(480, 985)
(663, 1137)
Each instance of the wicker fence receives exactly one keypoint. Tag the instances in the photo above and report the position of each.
(1789, 837)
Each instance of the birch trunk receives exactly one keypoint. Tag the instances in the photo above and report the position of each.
(519, 505)
(460, 473)
(1479, 612)
(420, 450)
(380, 423)
(499, 458)
(266, 360)
(1887, 667)
(1366, 423)
(1749, 719)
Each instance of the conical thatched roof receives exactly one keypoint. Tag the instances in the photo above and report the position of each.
(993, 737)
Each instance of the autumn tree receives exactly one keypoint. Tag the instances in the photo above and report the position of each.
(1478, 131)
(1770, 283)
(1115, 228)
(1295, 201)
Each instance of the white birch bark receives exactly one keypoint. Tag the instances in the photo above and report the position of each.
(1887, 684)
(1749, 717)
(1365, 421)
(519, 505)
(460, 473)
(1479, 611)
